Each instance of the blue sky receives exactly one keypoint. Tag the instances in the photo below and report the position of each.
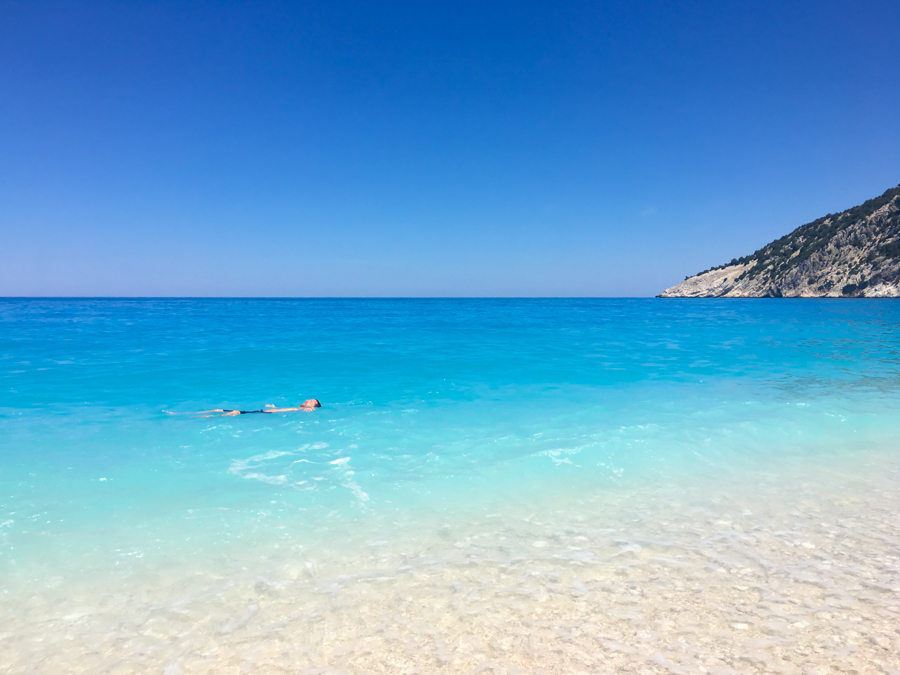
(429, 149)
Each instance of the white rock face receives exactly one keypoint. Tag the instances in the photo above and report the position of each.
(856, 259)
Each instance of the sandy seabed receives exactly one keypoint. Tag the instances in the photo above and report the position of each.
(794, 571)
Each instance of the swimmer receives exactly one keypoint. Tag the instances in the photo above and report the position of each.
(307, 406)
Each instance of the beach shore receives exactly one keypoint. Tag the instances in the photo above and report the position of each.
(791, 570)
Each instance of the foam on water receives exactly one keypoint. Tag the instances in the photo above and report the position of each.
(575, 486)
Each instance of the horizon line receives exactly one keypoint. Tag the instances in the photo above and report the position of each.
(326, 297)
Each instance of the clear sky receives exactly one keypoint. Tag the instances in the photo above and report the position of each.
(449, 149)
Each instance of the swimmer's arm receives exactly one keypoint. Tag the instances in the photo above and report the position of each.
(304, 408)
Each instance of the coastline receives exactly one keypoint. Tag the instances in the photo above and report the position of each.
(651, 577)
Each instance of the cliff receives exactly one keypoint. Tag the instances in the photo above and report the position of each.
(855, 253)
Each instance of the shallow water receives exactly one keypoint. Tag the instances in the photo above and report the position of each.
(491, 486)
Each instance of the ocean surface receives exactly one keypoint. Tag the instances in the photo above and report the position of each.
(496, 486)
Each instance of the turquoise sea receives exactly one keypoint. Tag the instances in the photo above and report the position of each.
(506, 486)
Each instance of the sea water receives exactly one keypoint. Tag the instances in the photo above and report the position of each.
(503, 486)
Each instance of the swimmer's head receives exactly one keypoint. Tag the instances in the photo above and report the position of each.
(311, 403)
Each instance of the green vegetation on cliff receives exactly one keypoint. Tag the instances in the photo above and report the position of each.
(779, 256)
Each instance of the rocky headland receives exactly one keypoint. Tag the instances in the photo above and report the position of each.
(851, 254)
